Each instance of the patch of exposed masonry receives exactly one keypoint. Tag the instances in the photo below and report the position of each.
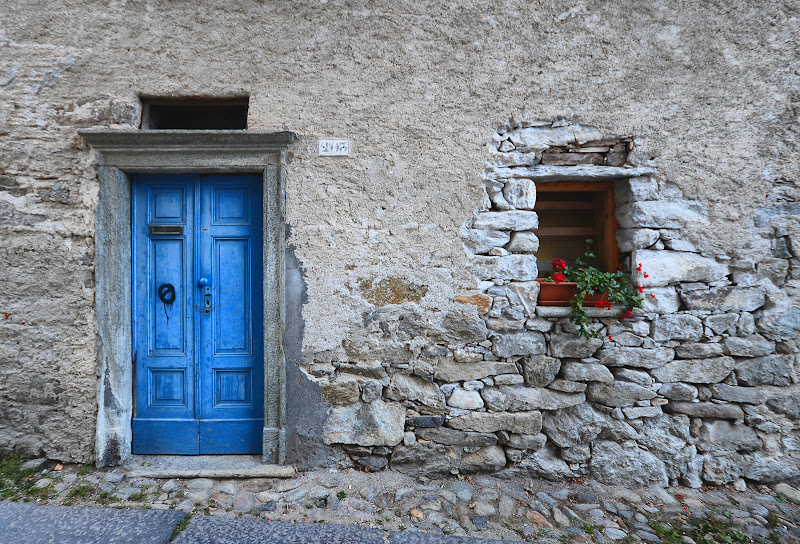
(699, 387)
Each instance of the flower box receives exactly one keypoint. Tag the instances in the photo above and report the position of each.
(560, 294)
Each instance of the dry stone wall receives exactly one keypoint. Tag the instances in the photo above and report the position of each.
(699, 386)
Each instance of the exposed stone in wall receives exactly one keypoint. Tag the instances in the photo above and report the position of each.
(699, 386)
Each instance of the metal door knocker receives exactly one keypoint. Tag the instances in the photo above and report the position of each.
(166, 292)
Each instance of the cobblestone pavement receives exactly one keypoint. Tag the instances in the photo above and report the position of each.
(480, 506)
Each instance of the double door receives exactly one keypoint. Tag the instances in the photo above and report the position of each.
(198, 312)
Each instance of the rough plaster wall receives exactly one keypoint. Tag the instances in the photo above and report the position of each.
(709, 89)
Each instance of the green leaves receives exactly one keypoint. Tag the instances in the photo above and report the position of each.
(614, 286)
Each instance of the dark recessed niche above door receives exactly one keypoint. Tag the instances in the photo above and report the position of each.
(194, 113)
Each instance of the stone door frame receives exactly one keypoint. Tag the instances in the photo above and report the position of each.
(120, 153)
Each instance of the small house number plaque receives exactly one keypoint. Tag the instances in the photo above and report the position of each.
(333, 147)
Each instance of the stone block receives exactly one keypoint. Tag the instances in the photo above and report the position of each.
(519, 399)
(725, 299)
(586, 372)
(465, 329)
(572, 426)
(632, 239)
(780, 319)
(343, 390)
(635, 189)
(732, 393)
(482, 241)
(661, 214)
(375, 424)
(769, 370)
(677, 327)
(467, 400)
(750, 346)
(531, 442)
(678, 391)
(636, 412)
(722, 323)
(429, 460)
(695, 370)
(635, 357)
(636, 376)
(523, 294)
(491, 422)
(506, 220)
(520, 193)
(617, 394)
(705, 409)
(425, 422)
(567, 386)
(545, 463)
(788, 405)
(523, 343)
(661, 300)
(450, 371)
(726, 436)
(768, 470)
(671, 267)
(698, 351)
(539, 370)
(494, 190)
(452, 437)
(507, 267)
(576, 454)
(403, 387)
(541, 138)
(509, 379)
(612, 464)
(523, 242)
(488, 459)
(573, 346)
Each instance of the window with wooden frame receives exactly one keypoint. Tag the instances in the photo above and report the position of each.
(570, 212)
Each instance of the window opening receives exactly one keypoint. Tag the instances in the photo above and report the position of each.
(570, 212)
(194, 114)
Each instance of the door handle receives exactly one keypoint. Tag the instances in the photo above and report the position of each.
(206, 285)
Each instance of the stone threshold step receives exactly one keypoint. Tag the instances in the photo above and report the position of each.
(203, 466)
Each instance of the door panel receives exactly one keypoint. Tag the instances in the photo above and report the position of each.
(199, 349)
(231, 358)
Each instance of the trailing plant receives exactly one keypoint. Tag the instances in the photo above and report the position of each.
(615, 288)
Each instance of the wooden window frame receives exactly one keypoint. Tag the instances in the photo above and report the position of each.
(610, 256)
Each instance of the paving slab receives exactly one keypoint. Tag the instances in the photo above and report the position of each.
(404, 537)
(22, 523)
(212, 530)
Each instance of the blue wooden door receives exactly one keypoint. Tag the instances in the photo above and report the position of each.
(198, 295)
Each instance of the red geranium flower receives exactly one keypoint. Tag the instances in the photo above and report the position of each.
(641, 289)
(626, 314)
(610, 339)
(603, 304)
(558, 277)
(639, 268)
(559, 264)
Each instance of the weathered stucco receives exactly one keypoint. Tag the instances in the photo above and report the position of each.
(708, 95)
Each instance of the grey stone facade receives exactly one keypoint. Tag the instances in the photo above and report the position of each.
(413, 339)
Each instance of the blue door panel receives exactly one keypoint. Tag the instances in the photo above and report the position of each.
(199, 367)
(165, 436)
(230, 436)
(168, 266)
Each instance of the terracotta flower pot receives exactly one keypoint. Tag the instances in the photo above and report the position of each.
(560, 294)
